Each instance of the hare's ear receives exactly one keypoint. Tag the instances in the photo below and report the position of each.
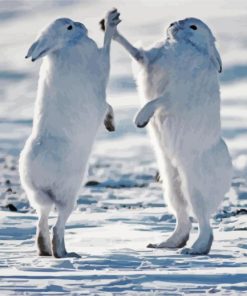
(215, 58)
(31, 50)
(39, 49)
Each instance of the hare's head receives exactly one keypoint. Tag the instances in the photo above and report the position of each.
(59, 34)
(198, 34)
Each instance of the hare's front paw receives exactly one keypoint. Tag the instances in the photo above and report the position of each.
(109, 123)
(142, 118)
(112, 18)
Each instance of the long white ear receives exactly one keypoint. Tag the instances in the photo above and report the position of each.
(215, 57)
(38, 49)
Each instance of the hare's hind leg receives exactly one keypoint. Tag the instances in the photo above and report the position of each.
(58, 244)
(176, 201)
(204, 241)
(42, 234)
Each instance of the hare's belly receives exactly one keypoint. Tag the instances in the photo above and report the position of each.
(181, 137)
(169, 133)
(52, 162)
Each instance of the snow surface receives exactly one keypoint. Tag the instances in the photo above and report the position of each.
(115, 220)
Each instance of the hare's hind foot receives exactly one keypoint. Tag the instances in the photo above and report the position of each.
(170, 244)
(200, 247)
(43, 248)
(58, 244)
(43, 236)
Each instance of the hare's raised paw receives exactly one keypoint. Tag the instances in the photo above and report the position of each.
(112, 18)
(109, 126)
(141, 124)
(142, 118)
(109, 122)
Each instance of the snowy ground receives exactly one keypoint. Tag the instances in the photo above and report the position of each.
(115, 220)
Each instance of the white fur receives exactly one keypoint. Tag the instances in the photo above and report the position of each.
(70, 106)
(178, 86)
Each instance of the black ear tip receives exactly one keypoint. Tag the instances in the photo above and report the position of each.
(102, 24)
(33, 60)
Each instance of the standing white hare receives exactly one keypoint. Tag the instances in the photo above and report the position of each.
(178, 85)
(70, 106)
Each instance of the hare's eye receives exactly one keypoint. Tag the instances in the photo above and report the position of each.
(69, 27)
(193, 27)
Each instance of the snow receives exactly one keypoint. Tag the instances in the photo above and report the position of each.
(116, 219)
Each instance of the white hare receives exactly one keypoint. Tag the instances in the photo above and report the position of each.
(70, 106)
(178, 84)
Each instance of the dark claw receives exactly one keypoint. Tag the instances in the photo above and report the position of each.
(109, 124)
(102, 25)
(152, 246)
(157, 177)
(110, 128)
(142, 125)
(12, 208)
(102, 22)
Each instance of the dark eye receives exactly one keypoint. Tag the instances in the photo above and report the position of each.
(193, 27)
(69, 27)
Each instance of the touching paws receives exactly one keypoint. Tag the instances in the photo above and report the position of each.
(112, 19)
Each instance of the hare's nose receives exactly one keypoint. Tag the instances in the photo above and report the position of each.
(181, 23)
(80, 25)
